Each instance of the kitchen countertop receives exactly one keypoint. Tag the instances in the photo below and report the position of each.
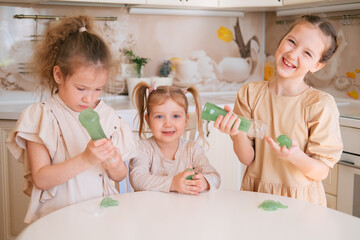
(11, 106)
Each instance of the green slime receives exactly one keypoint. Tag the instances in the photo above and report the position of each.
(190, 177)
(109, 202)
(91, 122)
(271, 205)
(211, 112)
(284, 140)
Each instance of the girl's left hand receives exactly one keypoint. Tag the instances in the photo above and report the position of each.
(114, 161)
(204, 185)
(283, 152)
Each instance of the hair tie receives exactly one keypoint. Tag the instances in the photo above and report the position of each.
(82, 29)
(152, 87)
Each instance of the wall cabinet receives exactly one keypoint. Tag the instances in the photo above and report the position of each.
(250, 3)
(190, 3)
(13, 202)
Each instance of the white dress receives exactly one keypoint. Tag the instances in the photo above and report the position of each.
(56, 126)
(152, 171)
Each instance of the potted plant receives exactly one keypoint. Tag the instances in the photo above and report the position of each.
(139, 62)
(165, 70)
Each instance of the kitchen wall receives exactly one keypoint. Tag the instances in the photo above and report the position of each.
(341, 75)
(188, 40)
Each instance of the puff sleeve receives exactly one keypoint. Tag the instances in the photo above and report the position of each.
(325, 141)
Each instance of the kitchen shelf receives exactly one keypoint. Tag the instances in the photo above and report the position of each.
(49, 17)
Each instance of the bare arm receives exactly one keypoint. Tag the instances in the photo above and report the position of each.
(46, 176)
(310, 167)
(241, 144)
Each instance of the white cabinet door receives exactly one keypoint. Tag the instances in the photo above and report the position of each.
(201, 3)
(222, 157)
(192, 3)
(123, 1)
(250, 3)
(13, 202)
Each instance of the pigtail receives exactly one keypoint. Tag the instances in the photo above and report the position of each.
(139, 99)
(198, 109)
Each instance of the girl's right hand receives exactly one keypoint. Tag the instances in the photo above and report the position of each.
(229, 123)
(181, 185)
(99, 151)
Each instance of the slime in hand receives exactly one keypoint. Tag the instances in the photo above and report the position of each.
(91, 122)
(284, 140)
(190, 177)
(271, 205)
(109, 202)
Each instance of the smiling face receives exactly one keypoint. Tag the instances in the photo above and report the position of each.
(167, 122)
(300, 51)
(82, 89)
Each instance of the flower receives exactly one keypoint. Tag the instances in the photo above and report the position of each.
(244, 49)
(225, 34)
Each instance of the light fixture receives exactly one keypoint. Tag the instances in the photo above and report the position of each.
(331, 8)
(185, 12)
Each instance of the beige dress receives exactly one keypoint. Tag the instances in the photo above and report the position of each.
(56, 126)
(311, 118)
(152, 171)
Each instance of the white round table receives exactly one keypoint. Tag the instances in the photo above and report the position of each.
(211, 215)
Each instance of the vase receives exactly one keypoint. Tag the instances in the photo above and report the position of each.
(132, 81)
(234, 69)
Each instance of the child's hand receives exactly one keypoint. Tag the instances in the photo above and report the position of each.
(182, 185)
(99, 151)
(114, 162)
(284, 153)
(203, 182)
(228, 124)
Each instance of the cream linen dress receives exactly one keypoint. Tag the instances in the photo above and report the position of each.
(311, 118)
(56, 126)
(152, 171)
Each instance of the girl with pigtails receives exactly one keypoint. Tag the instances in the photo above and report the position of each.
(62, 164)
(168, 162)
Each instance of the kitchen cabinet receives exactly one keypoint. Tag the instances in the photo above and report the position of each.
(190, 3)
(330, 186)
(222, 157)
(13, 202)
(317, 2)
(250, 3)
(96, 1)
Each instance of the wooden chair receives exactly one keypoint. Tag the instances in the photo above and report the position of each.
(190, 133)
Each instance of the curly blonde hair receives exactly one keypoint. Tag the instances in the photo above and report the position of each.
(64, 45)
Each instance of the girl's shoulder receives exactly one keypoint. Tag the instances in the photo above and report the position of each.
(318, 98)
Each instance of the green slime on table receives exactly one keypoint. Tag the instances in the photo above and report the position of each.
(271, 205)
(190, 177)
(109, 202)
(211, 112)
(91, 122)
(284, 140)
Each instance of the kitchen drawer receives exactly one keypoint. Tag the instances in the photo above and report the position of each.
(330, 183)
(351, 139)
(331, 201)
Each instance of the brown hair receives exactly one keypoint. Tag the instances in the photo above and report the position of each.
(144, 102)
(64, 45)
(326, 27)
